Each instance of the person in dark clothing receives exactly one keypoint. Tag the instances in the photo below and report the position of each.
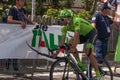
(102, 23)
(17, 15)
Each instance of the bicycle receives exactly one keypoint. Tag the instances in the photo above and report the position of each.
(66, 68)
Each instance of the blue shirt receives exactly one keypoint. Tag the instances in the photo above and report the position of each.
(17, 14)
(102, 23)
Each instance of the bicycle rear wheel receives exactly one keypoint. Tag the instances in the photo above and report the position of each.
(105, 70)
(62, 70)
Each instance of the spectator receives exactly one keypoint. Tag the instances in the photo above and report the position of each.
(102, 23)
(17, 15)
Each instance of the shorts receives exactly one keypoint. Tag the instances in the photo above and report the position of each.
(90, 38)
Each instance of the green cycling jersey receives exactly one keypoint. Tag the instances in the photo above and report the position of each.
(78, 24)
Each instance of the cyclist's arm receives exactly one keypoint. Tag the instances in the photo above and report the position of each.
(75, 41)
(61, 43)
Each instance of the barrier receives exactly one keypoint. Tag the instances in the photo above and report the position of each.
(13, 41)
(13, 45)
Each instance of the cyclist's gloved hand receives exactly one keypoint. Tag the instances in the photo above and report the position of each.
(54, 54)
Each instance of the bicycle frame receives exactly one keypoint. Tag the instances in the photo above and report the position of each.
(70, 59)
(69, 56)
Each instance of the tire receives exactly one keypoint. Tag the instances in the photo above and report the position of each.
(105, 71)
(58, 67)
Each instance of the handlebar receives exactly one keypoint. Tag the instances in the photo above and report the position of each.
(65, 46)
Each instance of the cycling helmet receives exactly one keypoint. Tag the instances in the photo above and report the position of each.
(65, 13)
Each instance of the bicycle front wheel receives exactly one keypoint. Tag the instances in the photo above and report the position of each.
(62, 69)
(105, 70)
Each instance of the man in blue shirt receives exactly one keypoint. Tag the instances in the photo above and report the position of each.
(102, 24)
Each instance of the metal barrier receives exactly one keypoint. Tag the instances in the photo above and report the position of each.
(26, 66)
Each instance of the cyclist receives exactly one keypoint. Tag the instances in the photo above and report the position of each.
(83, 32)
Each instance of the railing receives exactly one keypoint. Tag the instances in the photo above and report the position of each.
(45, 20)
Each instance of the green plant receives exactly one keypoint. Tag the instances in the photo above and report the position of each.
(90, 5)
(52, 12)
(40, 10)
(84, 14)
(87, 4)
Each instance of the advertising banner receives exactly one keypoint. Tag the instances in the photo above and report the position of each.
(13, 41)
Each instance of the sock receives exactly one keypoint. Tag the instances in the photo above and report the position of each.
(98, 74)
(80, 64)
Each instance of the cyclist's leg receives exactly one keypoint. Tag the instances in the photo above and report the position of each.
(80, 64)
(93, 61)
(89, 47)
(76, 55)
